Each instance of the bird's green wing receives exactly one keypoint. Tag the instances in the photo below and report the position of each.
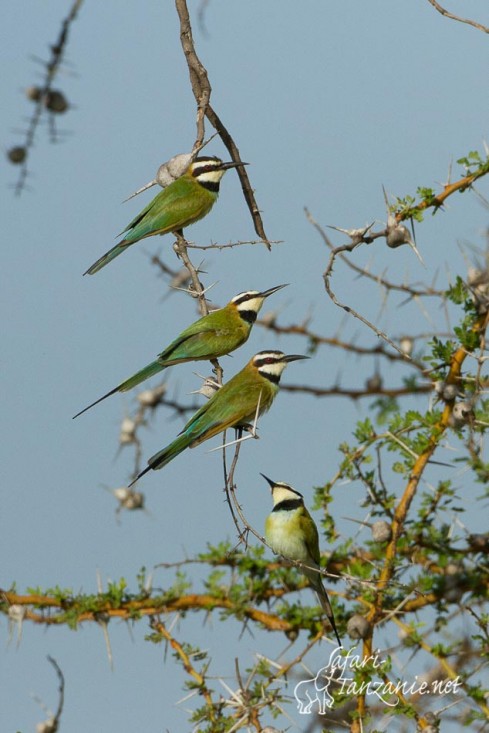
(232, 405)
(172, 209)
(310, 532)
(206, 338)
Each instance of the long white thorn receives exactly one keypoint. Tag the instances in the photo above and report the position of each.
(235, 442)
(140, 190)
(156, 181)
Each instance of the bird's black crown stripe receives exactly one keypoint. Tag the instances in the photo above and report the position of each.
(262, 355)
(208, 159)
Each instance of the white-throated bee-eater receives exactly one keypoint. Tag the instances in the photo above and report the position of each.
(247, 395)
(180, 204)
(291, 532)
(214, 335)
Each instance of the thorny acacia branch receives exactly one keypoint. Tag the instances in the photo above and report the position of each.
(64, 608)
(406, 211)
(420, 464)
(338, 251)
(410, 291)
(248, 700)
(377, 611)
(327, 284)
(158, 625)
(52, 68)
(51, 611)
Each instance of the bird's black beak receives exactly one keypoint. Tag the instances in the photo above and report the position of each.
(268, 292)
(231, 164)
(271, 483)
(295, 357)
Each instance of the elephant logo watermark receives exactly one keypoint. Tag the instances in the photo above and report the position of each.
(339, 676)
(314, 690)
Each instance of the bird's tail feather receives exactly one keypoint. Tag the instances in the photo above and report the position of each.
(106, 258)
(149, 371)
(326, 606)
(133, 381)
(164, 456)
(100, 399)
(171, 451)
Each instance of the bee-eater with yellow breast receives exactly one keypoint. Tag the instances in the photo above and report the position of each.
(291, 532)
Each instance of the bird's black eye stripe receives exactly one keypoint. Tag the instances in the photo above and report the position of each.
(269, 359)
(266, 360)
(203, 169)
(198, 170)
(245, 297)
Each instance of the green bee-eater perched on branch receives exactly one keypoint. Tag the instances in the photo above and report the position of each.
(180, 204)
(291, 531)
(214, 335)
(247, 395)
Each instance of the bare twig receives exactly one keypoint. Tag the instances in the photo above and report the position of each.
(229, 488)
(447, 14)
(230, 245)
(327, 284)
(61, 688)
(180, 248)
(302, 329)
(363, 237)
(51, 725)
(357, 394)
(202, 90)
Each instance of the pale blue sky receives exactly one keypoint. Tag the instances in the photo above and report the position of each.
(327, 101)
